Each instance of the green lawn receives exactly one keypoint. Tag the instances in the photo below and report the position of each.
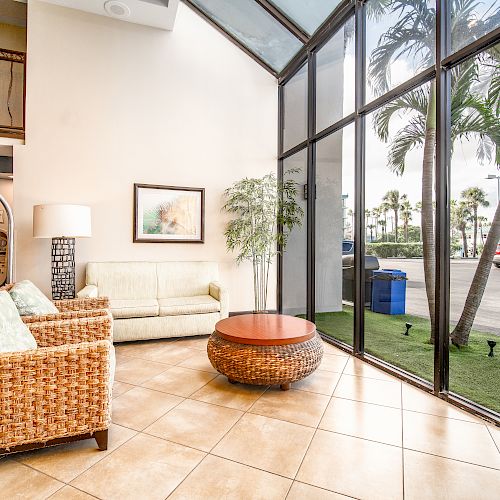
(472, 373)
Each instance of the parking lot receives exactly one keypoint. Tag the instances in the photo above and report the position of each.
(462, 272)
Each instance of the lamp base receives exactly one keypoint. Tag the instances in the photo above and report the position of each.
(63, 268)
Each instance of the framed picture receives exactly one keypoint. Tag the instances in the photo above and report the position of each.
(168, 214)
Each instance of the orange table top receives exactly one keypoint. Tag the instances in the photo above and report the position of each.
(265, 329)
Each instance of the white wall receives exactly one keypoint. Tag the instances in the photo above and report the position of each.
(112, 103)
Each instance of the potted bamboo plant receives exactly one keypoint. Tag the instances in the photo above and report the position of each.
(265, 212)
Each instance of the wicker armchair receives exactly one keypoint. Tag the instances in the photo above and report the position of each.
(59, 392)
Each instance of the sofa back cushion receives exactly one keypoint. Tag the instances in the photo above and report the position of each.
(124, 280)
(185, 279)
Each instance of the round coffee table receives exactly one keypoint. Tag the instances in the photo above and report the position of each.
(265, 349)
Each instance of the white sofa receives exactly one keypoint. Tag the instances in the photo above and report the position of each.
(152, 300)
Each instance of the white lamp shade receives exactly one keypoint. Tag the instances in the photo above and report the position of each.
(55, 221)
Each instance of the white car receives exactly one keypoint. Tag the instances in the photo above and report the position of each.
(496, 257)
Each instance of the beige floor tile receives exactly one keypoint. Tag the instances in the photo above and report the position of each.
(67, 461)
(199, 361)
(196, 424)
(70, 493)
(333, 363)
(299, 407)
(362, 369)
(495, 434)
(120, 388)
(320, 382)
(136, 371)
(238, 396)
(199, 343)
(369, 390)
(450, 438)
(331, 349)
(179, 381)
(218, 478)
(143, 349)
(416, 399)
(173, 354)
(354, 467)
(363, 420)
(301, 491)
(269, 444)
(17, 481)
(428, 477)
(140, 407)
(144, 467)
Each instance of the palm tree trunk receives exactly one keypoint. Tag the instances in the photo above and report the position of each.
(395, 226)
(427, 212)
(464, 243)
(474, 242)
(460, 335)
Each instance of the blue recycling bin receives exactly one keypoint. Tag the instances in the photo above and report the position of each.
(389, 291)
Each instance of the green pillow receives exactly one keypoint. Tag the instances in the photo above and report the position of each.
(30, 301)
(14, 334)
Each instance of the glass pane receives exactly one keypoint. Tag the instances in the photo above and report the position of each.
(472, 20)
(334, 234)
(295, 254)
(397, 319)
(249, 23)
(475, 232)
(308, 14)
(399, 43)
(335, 78)
(295, 110)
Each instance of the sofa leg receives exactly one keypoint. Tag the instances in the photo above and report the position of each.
(101, 438)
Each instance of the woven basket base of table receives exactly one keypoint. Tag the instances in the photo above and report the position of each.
(264, 364)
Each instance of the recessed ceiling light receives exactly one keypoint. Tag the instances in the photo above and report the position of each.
(117, 9)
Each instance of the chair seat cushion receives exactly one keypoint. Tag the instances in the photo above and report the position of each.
(14, 334)
(133, 308)
(199, 304)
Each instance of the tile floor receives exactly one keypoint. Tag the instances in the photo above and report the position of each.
(183, 432)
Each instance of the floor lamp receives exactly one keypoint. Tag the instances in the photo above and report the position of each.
(62, 223)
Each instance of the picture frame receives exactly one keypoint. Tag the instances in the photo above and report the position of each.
(168, 214)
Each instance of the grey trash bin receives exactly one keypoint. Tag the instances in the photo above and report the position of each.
(371, 264)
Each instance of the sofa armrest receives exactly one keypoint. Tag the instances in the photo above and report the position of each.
(73, 331)
(220, 293)
(88, 291)
(54, 392)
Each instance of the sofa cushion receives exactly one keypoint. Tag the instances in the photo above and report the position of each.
(200, 304)
(133, 308)
(185, 279)
(30, 301)
(123, 280)
(14, 334)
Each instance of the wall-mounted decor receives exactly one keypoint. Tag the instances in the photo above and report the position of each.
(168, 214)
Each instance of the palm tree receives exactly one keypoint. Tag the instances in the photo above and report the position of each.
(391, 198)
(371, 227)
(482, 223)
(376, 215)
(413, 37)
(406, 214)
(475, 197)
(418, 208)
(460, 217)
(382, 224)
(384, 209)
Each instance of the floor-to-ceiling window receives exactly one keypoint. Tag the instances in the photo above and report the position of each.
(399, 150)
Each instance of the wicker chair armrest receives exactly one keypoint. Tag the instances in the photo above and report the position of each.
(64, 315)
(85, 304)
(54, 392)
(73, 331)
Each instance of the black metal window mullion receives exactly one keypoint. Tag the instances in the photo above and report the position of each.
(311, 186)
(359, 179)
(442, 234)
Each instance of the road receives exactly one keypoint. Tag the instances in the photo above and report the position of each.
(462, 272)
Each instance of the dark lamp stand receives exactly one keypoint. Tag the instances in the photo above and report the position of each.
(63, 268)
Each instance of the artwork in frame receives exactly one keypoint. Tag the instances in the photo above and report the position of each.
(168, 214)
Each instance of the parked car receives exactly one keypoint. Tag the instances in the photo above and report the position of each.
(347, 247)
(496, 258)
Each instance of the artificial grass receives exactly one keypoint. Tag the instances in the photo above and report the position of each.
(472, 373)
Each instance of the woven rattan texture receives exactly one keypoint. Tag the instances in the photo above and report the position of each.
(60, 389)
(264, 365)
